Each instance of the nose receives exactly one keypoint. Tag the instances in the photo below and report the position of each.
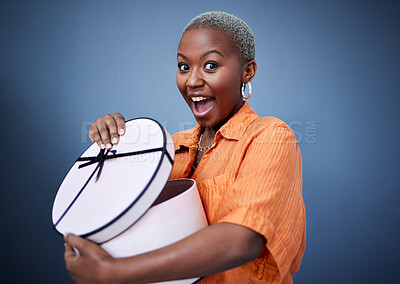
(195, 79)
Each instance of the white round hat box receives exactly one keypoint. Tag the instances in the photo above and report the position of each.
(122, 200)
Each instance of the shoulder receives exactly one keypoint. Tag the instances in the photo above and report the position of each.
(268, 127)
(184, 133)
(185, 138)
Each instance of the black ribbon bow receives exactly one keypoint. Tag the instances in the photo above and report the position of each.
(99, 159)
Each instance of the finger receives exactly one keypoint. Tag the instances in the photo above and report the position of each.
(94, 135)
(112, 128)
(104, 134)
(69, 252)
(92, 130)
(120, 120)
(81, 244)
(70, 260)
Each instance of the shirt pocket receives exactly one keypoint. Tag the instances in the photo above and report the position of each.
(212, 192)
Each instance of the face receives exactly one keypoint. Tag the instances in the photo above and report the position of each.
(209, 75)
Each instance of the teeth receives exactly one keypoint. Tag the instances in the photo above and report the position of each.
(198, 99)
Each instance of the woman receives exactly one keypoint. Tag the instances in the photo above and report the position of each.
(247, 168)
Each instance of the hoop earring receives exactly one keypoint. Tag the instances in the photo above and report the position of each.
(243, 86)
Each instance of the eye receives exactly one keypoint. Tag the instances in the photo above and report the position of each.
(183, 67)
(210, 66)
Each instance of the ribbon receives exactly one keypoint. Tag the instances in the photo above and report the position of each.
(100, 159)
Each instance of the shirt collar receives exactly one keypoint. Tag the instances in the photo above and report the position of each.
(238, 123)
(232, 129)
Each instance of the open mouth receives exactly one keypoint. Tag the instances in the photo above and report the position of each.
(202, 105)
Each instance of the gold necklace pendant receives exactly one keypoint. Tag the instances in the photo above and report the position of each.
(200, 148)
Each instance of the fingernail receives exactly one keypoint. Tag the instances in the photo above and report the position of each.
(121, 131)
(108, 146)
(115, 140)
(65, 244)
(102, 146)
(65, 235)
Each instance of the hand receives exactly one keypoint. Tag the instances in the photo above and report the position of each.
(106, 130)
(92, 265)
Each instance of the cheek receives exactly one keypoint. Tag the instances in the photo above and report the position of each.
(226, 86)
(180, 83)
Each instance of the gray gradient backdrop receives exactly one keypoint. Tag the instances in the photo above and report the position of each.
(330, 69)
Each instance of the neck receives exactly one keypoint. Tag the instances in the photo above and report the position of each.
(209, 132)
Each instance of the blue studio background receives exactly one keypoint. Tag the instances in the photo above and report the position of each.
(330, 69)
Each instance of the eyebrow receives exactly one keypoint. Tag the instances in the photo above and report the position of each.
(181, 55)
(203, 55)
(211, 51)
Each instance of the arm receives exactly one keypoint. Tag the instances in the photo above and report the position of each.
(213, 249)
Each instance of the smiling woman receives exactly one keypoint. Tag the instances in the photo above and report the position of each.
(248, 170)
(210, 74)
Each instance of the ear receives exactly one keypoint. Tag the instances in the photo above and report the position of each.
(249, 70)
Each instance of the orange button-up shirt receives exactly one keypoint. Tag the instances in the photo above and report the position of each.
(252, 177)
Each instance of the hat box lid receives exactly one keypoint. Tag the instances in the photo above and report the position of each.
(106, 191)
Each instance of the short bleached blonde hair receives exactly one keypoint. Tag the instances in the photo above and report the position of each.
(235, 27)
